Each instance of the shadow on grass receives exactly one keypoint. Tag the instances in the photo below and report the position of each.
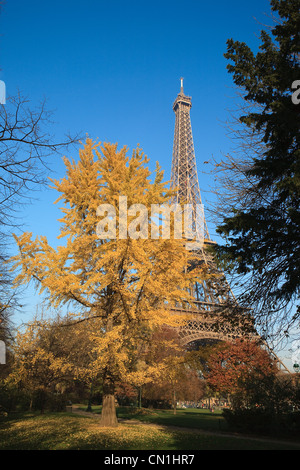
(187, 418)
(59, 431)
(194, 419)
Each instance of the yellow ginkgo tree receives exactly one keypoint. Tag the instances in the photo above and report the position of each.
(113, 266)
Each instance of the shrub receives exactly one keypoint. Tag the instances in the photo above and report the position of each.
(13, 399)
(249, 420)
(261, 421)
(44, 400)
(56, 402)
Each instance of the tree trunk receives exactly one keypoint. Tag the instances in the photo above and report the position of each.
(108, 415)
(89, 407)
(174, 402)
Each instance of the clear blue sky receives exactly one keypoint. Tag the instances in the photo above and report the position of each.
(112, 68)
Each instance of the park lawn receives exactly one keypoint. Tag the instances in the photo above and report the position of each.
(187, 418)
(64, 431)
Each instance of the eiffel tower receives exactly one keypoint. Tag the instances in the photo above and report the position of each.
(216, 314)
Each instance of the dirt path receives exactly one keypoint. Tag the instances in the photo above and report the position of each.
(78, 411)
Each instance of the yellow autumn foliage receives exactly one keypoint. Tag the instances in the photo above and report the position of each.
(128, 284)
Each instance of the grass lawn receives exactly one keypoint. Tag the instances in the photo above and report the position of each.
(59, 431)
(187, 418)
(190, 418)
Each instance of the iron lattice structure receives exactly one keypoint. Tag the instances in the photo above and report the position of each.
(216, 314)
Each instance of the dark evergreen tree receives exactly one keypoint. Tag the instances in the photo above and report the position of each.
(263, 231)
